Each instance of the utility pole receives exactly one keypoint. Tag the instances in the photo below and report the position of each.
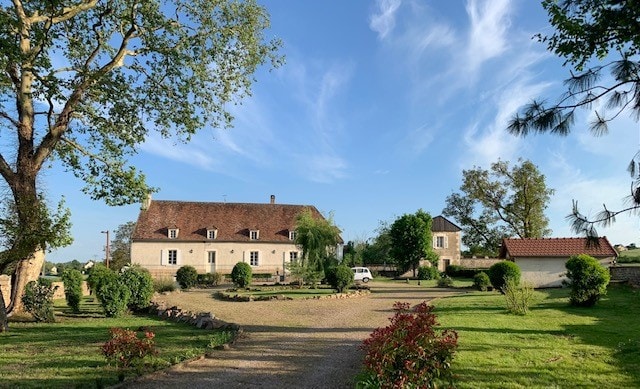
(107, 250)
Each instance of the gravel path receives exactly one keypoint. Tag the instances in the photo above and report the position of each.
(288, 344)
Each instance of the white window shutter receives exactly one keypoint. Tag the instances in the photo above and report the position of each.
(435, 242)
(244, 256)
(163, 257)
(178, 257)
(446, 242)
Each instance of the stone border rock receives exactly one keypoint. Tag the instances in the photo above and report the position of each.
(203, 320)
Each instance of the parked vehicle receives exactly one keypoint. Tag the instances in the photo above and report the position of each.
(361, 274)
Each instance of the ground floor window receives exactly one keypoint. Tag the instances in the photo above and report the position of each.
(293, 256)
(172, 257)
(253, 258)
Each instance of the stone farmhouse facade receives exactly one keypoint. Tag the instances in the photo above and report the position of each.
(542, 261)
(446, 241)
(213, 236)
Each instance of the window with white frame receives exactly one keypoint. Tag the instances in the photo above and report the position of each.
(173, 233)
(440, 242)
(172, 257)
(254, 258)
(292, 235)
(212, 234)
(254, 234)
(293, 256)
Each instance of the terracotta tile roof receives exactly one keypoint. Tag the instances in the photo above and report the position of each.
(234, 221)
(442, 224)
(555, 247)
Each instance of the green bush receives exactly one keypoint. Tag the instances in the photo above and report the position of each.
(187, 276)
(501, 271)
(209, 279)
(481, 281)
(428, 273)
(588, 280)
(330, 275)
(241, 275)
(72, 279)
(518, 298)
(164, 285)
(38, 300)
(97, 275)
(343, 278)
(445, 282)
(140, 284)
(460, 271)
(113, 294)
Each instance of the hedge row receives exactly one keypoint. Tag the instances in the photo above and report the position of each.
(463, 272)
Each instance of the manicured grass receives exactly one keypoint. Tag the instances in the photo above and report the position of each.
(555, 345)
(304, 292)
(457, 282)
(67, 354)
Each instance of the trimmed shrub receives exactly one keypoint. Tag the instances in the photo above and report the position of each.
(72, 279)
(187, 276)
(209, 279)
(113, 294)
(97, 274)
(241, 275)
(330, 275)
(445, 282)
(343, 278)
(410, 352)
(164, 285)
(501, 271)
(140, 284)
(481, 281)
(460, 271)
(518, 298)
(38, 300)
(588, 280)
(428, 273)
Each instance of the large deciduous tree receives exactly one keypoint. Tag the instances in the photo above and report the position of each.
(317, 237)
(411, 240)
(599, 40)
(121, 246)
(500, 202)
(85, 81)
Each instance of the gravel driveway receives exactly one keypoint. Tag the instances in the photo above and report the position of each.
(288, 344)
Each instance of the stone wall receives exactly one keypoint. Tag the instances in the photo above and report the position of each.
(478, 263)
(5, 284)
(629, 274)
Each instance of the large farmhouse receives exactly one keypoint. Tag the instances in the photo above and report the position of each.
(213, 237)
(542, 261)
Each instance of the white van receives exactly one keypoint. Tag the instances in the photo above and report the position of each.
(361, 274)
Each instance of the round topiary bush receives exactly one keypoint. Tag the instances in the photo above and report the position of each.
(187, 277)
(140, 284)
(343, 278)
(588, 280)
(499, 272)
(428, 273)
(241, 275)
(481, 281)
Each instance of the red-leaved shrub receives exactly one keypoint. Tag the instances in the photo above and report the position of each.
(409, 353)
(125, 347)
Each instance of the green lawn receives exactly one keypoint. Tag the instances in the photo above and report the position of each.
(67, 354)
(553, 346)
(304, 292)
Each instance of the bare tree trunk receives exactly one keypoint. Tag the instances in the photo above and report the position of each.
(26, 270)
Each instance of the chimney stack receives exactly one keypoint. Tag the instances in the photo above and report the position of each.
(273, 199)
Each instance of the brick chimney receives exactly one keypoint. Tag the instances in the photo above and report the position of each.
(273, 199)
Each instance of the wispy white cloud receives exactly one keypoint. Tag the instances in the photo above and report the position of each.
(489, 23)
(384, 20)
(187, 153)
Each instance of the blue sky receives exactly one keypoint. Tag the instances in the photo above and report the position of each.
(378, 109)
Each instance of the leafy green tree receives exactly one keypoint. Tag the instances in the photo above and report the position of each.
(500, 202)
(316, 236)
(411, 240)
(588, 280)
(343, 278)
(121, 246)
(86, 81)
(379, 250)
(596, 39)
(140, 284)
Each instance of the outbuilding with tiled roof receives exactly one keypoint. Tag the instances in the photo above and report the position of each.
(214, 236)
(542, 261)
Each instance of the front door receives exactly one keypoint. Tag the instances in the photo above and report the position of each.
(211, 261)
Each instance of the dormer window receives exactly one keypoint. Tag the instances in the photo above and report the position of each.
(173, 233)
(254, 234)
(292, 235)
(212, 234)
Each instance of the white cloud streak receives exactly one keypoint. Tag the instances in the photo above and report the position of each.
(384, 21)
